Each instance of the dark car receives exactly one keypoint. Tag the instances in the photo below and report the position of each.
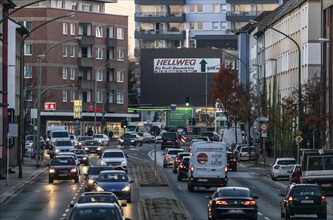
(232, 202)
(183, 167)
(232, 161)
(213, 136)
(92, 175)
(92, 147)
(304, 199)
(96, 211)
(82, 139)
(178, 159)
(82, 156)
(102, 197)
(63, 168)
(130, 139)
(170, 140)
(115, 181)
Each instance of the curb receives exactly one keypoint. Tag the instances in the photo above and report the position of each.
(17, 188)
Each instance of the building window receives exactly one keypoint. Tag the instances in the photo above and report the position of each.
(99, 97)
(120, 33)
(99, 53)
(121, 55)
(223, 7)
(110, 32)
(99, 8)
(224, 25)
(72, 27)
(99, 31)
(72, 73)
(120, 98)
(72, 96)
(99, 75)
(86, 7)
(61, 4)
(27, 49)
(192, 8)
(74, 6)
(200, 8)
(26, 24)
(120, 76)
(215, 25)
(64, 28)
(64, 51)
(200, 25)
(111, 76)
(28, 95)
(215, 8)
(64, 95)
(110, 96)
(72, 51)
(64, 73)
(27, 72)
(192, 26)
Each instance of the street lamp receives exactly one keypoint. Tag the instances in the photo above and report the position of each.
(39, 82)
(22, 97)
(300, 108)
(95, 104)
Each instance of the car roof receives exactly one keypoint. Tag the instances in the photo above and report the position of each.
(233, 188)
(97, 193)
(113, 171)
(113, 150)
(96, 204)
(285, 158)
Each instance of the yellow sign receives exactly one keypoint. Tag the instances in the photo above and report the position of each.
(77, 108)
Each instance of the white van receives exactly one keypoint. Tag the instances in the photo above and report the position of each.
(58, 134)
(229, 136)
(208, 165)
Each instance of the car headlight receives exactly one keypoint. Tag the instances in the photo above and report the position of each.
(84, 158)
(73, 170)
(90, 182)
(86, 148)
(80, 143)
(99, 148)
(51, 170)
(99, 189)
(57, 150)
(103, 163)
(126, 189)
(124, 163)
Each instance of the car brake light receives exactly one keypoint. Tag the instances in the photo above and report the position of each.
(221, 202)
(276, 167)
(226, 169)
(323, 199)
(249, 202)
(290, 199)
(192, 169)
(178, 160)
(181, 166)
(167, 156)
(233, 159)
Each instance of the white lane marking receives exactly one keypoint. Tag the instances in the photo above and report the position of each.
(67, 210)
(259, 213)
(74, 197)
(180, 188)
(64, 215)
(266, 218)
(72, 201)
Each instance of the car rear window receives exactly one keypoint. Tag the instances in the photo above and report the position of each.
(64, 143)
(234, 193)
(63, 161)
(306, 191)
(174, 151)
(286, 162)
(97, 170)
(169, 136)
(98, 198)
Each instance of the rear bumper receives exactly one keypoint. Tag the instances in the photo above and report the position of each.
(307, 209)
(208, 182)
(235, 213)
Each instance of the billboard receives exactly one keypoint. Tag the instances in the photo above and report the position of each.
(186, 65)
(178, 118)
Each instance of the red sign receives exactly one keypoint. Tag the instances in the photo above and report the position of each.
(202, 158)
(99, 110)
(50, 106)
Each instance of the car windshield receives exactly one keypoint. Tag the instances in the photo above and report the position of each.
(91, 143)
(113, 154)
(80, 152)
(64, 143)
(133, 136)
(97, 198)
(98, 136)
(174, 152)
(306, 191)
(234, 193)
(85, 138)
(286, 162)
(96, 213)
(60, 134)
(112, 177)
(140, 134)
(63, 161)
(97, 170)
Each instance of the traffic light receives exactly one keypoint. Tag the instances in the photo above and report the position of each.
(193, 122)
(187, 100)
(91, 108)
(124, 124)
(189, 121)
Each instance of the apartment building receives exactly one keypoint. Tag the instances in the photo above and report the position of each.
(93, 68)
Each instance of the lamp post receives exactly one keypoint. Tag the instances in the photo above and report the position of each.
(39, 82)
(22, 97)
(300, 108)
(95, 104)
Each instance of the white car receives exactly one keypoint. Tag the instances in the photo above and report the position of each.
(103, 139)
(73, 154)
(170, 155)
(282, 167)
(115, 158)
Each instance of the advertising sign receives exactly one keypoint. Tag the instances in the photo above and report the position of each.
(77, 108)
(186, 65)
(179, 117)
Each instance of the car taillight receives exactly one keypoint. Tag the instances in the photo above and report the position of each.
(192, 169)
(290, 199)
(167, 156)
(181, 166)
(323, 199)
(249, 202)
(178, 160)
(221, 202)
(233, 159)
(276, 167)
(189, 148)
(226, 169)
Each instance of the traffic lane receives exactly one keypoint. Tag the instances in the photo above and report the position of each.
(131, 210)
(41, 200)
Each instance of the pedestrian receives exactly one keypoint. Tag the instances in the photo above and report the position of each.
(90, 132)
(105, 131)
(110, 133)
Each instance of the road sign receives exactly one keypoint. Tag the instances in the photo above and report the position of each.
(189, 129)
(264, 134)
(264, 127)
(299, 139)
(50, 106)
(77, 108)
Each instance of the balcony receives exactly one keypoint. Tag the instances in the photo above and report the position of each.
(112, 64)
(160, 2)
(87, 40)
(87, 84)
(86, 62)
(113, 85)
(111, 42)
(159, 17)
(234, 2)
(242, 16)
(159, 35)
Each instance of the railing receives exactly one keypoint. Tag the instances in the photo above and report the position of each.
(157, 14)
(243, 13)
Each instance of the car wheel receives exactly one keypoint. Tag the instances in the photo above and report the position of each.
(323, 215)
(76, 180)
(287, 215)
(273, 178)
(282, 214)
(129, 200)
(235, 168)
(50, 180)
(179, 178)
(174, 170)
(190, 188)
(165, 166)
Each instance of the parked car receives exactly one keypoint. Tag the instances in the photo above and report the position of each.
(146, 137)
(246, 153)
(63, 168)
(96, 211)
(115, 158)
(170, 156)
(102, 139)
(236, 147)
(82, 139)
(178, 159)
(295, 174)
(282, 167)
(82, 156)
(92, 147)
(303, 199)
(212, 135)
(170, 140)
(92, 175)
(232, 202)
(232, 161)
(115, 181)
(183, 167)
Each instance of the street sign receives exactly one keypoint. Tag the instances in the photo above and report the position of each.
(264, 127)
(264, 134)
(299, 139)
(189, 129)
(50, 106)
(77, 108)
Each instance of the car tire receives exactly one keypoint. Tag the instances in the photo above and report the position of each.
(129, 200)
(76, 179)
(322, 215)
(281, 213)
(190, 188)
(273, 178)
(287, 215)
(165, 166)
(234, 169)
(179, 178)
(174, 170)
(50, 180)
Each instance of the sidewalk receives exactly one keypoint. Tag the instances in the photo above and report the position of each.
(13, 184)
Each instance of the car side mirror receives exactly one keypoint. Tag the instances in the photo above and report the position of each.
(71, 205)
(131, 181)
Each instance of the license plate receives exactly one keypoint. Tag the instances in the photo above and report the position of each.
(63, 174)
(307, 201)
(235, 211)
(202, 180)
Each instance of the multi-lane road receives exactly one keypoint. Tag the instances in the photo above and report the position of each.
(44, 201)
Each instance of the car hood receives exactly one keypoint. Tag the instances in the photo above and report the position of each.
(63, 167)
(113, 186)
(113, 159)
